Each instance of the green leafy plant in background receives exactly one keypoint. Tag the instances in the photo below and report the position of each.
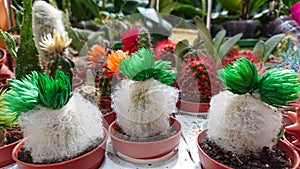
(217, 47)
(9, 43)
(263, 49)
(27, 59)
(186, 9)
(244, 8)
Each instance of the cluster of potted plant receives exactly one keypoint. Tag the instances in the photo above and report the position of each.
(244, 120)
(143, 104)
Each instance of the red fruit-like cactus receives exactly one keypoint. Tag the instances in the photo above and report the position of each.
(198, 78)
(164, 50)
(235, 54)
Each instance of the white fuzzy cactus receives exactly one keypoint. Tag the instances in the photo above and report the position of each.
(45, 19)
(143, 107)
(55, 135)
(145, 100)
(242, 123)
(58, 125)
(243, 119)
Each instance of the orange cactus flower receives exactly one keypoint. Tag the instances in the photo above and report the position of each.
(114, 59)
(97, 55)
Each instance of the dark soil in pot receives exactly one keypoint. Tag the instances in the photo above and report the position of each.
(267, 159)
(25, 156)
(13, 135)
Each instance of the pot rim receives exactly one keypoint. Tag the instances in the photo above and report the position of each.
(112, 134)
(2, 59)
(199, 148)
(291, 144)
(182, 105)
(11, 144)
(21, 143)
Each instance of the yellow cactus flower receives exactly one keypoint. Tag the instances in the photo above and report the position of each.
(56, 42)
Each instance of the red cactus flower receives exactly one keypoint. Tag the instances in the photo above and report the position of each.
(130, 40)
(97, 55)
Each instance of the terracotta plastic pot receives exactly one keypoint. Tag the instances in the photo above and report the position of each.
(3, 67)
(90, 160)
(145, 150)
(192, 107)
(286, 121)
(108, 118)
(5, 154)
(105, 103)
(209, 163)
(291, 144)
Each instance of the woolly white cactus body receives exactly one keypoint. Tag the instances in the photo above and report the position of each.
(241, 123)
(45, 19)
(143, 107)
(56, 135)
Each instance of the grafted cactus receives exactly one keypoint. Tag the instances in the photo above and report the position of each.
(59, 125)
(144, 101)
(240, 115)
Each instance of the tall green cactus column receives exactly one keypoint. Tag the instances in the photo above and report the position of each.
(28, 59)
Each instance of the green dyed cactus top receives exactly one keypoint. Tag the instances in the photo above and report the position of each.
(276, 87)
(141, 66)
(38, 89)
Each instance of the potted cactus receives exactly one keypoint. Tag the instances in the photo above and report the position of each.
(104, 65)
(243, 121)
(61, 128)
(7, 143)
(197, 81)
(143, 103)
